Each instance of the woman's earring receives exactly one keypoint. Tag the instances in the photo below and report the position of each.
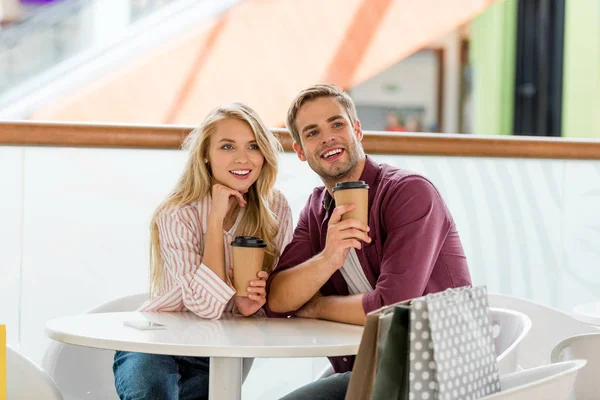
(205, 161)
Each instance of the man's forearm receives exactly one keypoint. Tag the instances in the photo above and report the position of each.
(346, 309)
(293, 287)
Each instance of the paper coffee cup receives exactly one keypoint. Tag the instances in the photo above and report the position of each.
(357, 193)
(248, 255)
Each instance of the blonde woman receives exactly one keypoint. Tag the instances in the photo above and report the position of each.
(226, 190)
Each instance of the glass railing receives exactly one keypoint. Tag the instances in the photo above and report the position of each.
(55, 32)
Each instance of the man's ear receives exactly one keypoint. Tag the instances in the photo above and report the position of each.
(358, 131)
(299, 151)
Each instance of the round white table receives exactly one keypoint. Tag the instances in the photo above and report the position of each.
(226, 341)
(588, 313)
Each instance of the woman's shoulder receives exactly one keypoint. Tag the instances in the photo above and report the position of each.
(279, 203)
(188, 212)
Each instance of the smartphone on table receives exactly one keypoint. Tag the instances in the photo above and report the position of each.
(144, 325)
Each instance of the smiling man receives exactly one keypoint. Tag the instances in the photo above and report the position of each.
(340, 270)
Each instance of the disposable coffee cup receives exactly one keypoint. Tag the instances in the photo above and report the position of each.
(357, 193)
(248, 255)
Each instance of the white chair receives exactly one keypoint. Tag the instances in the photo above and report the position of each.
(86, 373)
(587, 346)
(549, 382)
(25, 380)
(509, 328)
(548, 327)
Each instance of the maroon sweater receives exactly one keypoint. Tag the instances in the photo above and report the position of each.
(415, 247)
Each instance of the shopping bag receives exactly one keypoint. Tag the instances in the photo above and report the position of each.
(392, 366)
(460, 342)
(363, 373)
(447, 348)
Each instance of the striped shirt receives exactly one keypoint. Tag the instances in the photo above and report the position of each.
(188, 284)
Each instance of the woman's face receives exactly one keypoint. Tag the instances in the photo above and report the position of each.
(234, 157)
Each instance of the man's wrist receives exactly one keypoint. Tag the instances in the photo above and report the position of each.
(326, 262)
(319, 306)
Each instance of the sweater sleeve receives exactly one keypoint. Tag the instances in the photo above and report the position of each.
(417, 224)
(197, 286)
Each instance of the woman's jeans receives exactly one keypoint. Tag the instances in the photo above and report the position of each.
(155, 376)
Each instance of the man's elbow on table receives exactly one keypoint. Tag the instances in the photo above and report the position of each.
(276, 304)
(277, 300)
(379, 298)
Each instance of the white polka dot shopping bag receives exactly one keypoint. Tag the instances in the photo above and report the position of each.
(438, 347)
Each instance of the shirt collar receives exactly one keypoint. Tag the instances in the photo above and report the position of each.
(369, 175)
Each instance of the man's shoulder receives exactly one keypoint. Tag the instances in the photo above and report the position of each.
(314, 203)
(401, 187)
(318, 193)
(398, 178)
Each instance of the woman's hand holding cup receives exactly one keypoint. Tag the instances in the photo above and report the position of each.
(257, 294)
(248, 255)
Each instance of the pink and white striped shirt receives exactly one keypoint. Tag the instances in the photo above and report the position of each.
(188, 284)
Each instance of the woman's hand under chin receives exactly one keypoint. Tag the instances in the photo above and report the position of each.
(223, 198)
(257, 295)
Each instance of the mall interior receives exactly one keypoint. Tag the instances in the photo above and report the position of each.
(496, 102)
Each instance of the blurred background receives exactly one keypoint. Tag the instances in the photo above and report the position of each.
(74, 213)
(522, 67)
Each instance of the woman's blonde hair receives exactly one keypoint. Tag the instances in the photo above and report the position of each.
(196, 182)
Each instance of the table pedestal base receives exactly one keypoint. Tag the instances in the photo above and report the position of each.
(225, 379)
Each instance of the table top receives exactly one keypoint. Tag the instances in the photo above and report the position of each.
(588, 313)
(190, 335)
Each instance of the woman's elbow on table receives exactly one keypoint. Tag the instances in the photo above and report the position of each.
(208, 310)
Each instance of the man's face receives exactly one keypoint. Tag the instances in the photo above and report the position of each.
(330, 143)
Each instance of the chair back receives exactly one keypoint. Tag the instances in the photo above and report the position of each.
(549, 326)
(509, 328)
(548, 382)
(586, 347)
(85, 372)
(126, 303)
(25, 380)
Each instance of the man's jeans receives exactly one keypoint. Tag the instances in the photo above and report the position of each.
(333, 387)
(155, 376)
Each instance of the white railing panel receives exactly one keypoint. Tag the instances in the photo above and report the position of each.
(530, 228)
(11, 203)
(580, 269)
(87, 213)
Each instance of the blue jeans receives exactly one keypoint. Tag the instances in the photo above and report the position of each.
(333, 387)
(155, 376)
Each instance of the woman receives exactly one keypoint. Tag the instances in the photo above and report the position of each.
(226, 190)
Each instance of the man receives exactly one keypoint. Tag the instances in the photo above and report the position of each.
(340, 270)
